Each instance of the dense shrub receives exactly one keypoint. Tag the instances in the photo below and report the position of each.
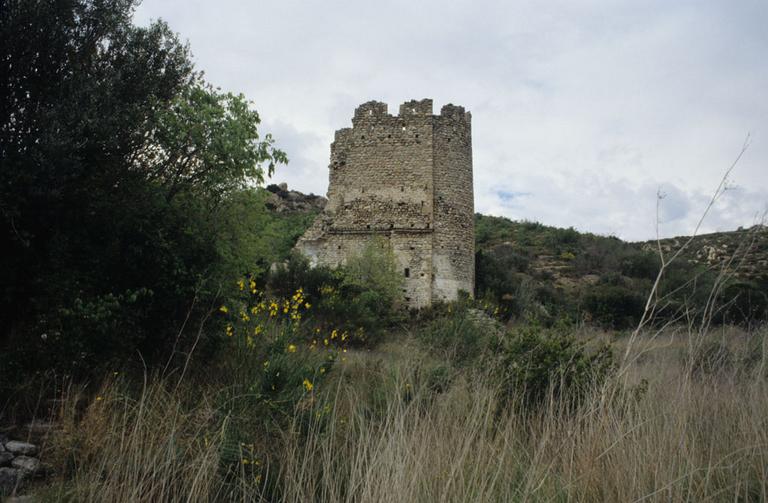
(363, 297)
(457, 335)
(613, 305)
(535, 362)
(644, 265)
(563, 240)
(744, 303)
(271, 351)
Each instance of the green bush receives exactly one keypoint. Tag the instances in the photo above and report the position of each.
(456, 335)
(534, 362)
(561, 240)
(744, 303)
(362, 298)
(644, 265)
(614, 305)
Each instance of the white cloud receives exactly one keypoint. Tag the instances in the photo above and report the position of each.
(585, 107)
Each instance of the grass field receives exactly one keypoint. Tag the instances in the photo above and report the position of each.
(677, 421)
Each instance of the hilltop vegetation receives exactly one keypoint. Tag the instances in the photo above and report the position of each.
(532, 270)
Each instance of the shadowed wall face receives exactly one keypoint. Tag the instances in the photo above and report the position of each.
(408, 178)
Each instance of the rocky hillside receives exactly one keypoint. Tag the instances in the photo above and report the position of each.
(744, 250)
(282, 200)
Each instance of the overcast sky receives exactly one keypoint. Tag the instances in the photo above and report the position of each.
(581, 110)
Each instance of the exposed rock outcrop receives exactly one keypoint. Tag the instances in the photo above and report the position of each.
(282, 200)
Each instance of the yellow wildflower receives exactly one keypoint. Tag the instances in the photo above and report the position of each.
(266, 364)
(308, 385)
(241, 284)
(291, 348)
(249, 342)
(259, 329)
(224, 309)
(334, 334)
(230, 330)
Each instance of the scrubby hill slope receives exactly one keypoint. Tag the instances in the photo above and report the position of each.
(535, 269)
(531, 270)
(745, 249)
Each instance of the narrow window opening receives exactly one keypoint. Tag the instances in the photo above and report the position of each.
(407, 272)
(368, 226)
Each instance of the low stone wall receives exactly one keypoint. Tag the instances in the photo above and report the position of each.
(18, 464)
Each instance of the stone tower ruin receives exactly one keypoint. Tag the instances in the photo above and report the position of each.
(407, 178)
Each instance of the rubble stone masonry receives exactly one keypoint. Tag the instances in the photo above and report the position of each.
(407, 178)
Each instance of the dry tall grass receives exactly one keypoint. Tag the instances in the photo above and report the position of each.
(380, 432)
(682, 439)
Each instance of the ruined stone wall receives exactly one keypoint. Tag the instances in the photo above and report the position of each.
(392, 176)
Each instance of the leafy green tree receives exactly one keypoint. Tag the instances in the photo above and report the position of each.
(119, 166)
(207, 143)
